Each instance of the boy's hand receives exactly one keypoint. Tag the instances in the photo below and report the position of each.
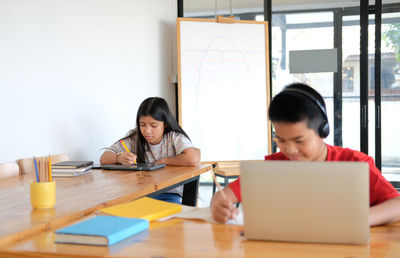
(126, 158)
(222, 209)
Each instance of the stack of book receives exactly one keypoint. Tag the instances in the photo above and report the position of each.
(71, 168)
(113, 224)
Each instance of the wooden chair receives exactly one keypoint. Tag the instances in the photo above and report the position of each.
(27, 166)
(9, 170)
(227, 170)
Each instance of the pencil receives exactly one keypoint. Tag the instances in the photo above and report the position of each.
(220, 190)
(50, 168)
(123, 144)
(126, 148)
(40, 169)
(36, 170)
(218, 185)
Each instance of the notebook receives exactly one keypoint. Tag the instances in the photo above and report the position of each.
(325, 202)
(134, 167)
(96, 166)
(144, 208)
(71, 164)
(101, 230)
(70, 172)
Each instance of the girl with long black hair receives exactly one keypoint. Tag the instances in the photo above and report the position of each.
(157, 138)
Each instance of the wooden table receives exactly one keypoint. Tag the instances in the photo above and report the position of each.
(81, 196)
(184, 238)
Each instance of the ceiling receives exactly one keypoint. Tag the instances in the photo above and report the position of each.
(208, 6)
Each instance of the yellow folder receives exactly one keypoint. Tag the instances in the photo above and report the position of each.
(143, 208)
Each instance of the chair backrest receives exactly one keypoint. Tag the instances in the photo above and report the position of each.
(227, 164)
(227, 168)
(9, 170)
(27, 166)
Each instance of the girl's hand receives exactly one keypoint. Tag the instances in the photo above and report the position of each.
(126, 158)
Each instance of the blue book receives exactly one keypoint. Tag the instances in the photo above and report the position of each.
(101, 230)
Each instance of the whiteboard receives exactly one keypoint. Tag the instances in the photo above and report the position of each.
(223, 87)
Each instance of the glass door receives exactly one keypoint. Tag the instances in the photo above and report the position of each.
(390, 86)
(390, 90)
(302, 31)
(340, 28)
(351, 81)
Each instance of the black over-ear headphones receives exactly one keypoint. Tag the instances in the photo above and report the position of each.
(323, 129)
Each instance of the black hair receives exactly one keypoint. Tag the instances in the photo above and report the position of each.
(158, 109)
(299, 102)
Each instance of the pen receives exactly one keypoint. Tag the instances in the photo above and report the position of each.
(50, 168)
(36, 170)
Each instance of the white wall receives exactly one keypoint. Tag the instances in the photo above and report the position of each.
(73, 72)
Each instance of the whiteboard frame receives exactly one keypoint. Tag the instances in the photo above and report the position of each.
(267, 69)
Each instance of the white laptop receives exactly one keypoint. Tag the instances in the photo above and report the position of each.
(319, 202)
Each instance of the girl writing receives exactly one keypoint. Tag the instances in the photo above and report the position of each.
(157, 138)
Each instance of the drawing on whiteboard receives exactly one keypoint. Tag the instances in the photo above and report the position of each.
(217, 58)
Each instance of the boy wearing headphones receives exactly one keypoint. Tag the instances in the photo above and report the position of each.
(300, 120)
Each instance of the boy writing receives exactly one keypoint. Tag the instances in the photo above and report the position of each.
(299, 117)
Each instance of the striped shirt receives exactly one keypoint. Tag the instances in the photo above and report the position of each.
(172, 144)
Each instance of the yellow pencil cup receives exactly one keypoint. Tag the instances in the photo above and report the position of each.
(43, 195)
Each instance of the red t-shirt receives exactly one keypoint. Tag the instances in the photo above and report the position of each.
(380, 189)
